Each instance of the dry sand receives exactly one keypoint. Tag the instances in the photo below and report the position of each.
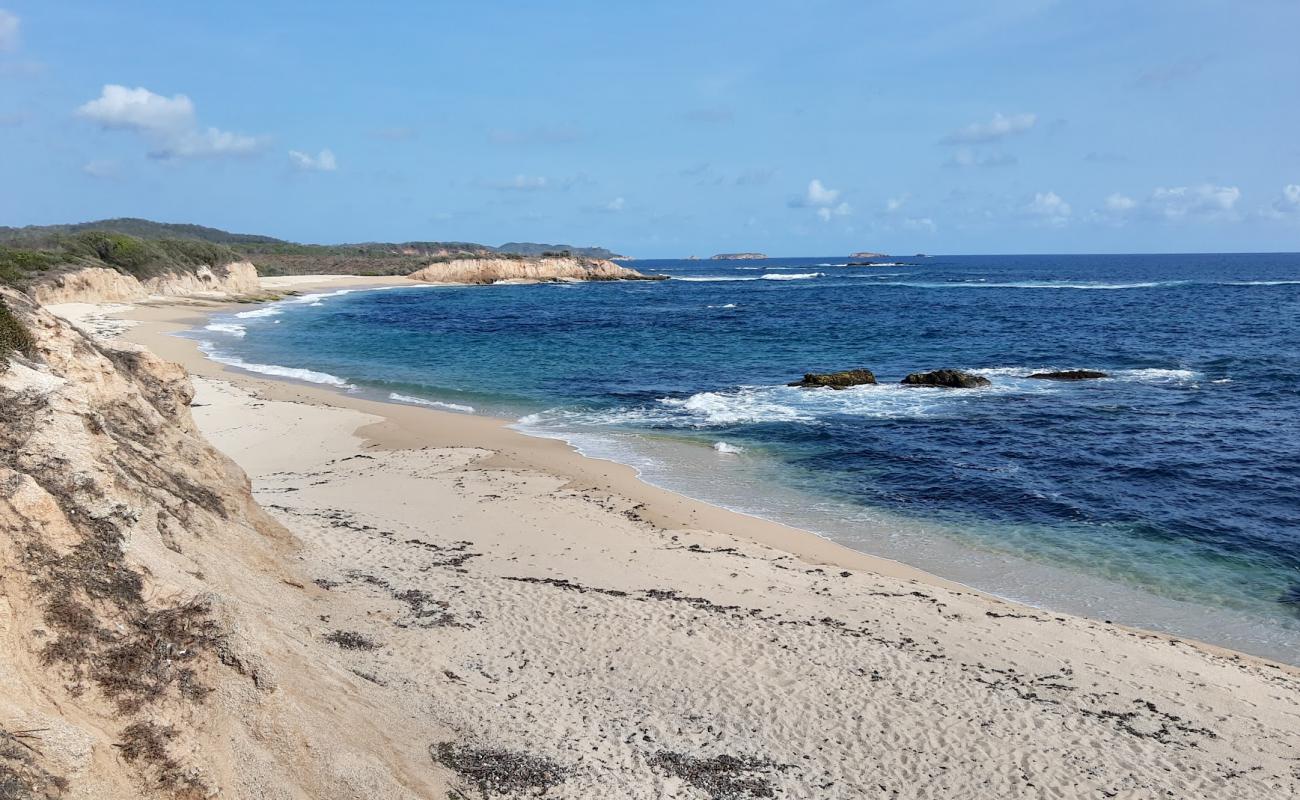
(524, 597)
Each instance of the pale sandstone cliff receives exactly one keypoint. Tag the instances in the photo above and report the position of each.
(152, 641)
(533, 270)
(99, 285)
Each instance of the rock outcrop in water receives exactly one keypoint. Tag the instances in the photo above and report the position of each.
(836, 380)
(100, 285)
(1069, 375)
(737, 257)
(145, 646)
(946, 378)
(526, 270)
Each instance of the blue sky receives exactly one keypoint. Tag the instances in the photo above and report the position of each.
(665, 129)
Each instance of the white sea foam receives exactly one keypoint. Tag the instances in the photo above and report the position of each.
(790, 276)
(264, 311)
(710, 278)
(277, 307)
(785, 404)
(729, 449)
(742, 406)
(727, 305)
(310, 376)
(1261, 283)
(228, 328)
(982, 284)
(420, 401)
(770, 276)
(1148, 375)
(1155, 375)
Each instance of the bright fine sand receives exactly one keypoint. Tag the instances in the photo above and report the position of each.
(523, 597)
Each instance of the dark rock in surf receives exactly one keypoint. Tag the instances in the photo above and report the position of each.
(836, 380)
(1069, 375)
(946, 378)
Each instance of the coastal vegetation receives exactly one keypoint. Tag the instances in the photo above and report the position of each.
(14, 336)
(144, 248)
(142, 258)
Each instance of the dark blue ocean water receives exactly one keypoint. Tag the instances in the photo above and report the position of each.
(1177, 480)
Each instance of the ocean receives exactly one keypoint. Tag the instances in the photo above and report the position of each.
(1166, 496)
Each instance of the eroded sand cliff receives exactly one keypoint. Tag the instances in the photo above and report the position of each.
(538, 270)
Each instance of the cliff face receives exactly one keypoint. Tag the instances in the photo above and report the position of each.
(146, 647)
(99, 285)
(539, 270)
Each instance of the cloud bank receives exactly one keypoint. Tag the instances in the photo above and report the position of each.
(1000, 127)
(322, 162)
(169, 124)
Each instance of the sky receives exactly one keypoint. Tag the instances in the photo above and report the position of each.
(665, 129)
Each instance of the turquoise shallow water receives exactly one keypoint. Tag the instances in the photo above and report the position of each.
(1164, 496)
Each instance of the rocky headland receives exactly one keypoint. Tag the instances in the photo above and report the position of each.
(526, 270)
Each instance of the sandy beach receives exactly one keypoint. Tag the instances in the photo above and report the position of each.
(501, 591)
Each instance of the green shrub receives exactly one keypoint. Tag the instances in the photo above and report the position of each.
(14, 337)
(18, 266)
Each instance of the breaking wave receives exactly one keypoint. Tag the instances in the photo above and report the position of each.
(308, 375)
(420, 401)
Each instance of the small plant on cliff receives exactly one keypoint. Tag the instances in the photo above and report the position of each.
(14, 337)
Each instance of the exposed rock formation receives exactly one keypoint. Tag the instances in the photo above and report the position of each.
(836, 380)
(144, 644)
(1069, 375)
(99, 285)
(738, 256)
(947, 378)
(866, 254)
(531, 270)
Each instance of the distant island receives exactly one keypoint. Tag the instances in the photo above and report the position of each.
(866, 254)
(738, 256)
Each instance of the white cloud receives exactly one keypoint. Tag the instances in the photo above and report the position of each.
(999, 127)
(209, 142)
(1120, 203)
(840, 210)
(523, 183)
(140, 109)
(822, 199)
(1049, 207)
(1287, 204)
(169, 123)
(895, 203)
(616, 204)
(965, 157)
(322, 162)
(101, 168)
(819, 196)
(9, 24)
(920, 224)
(1206, 200)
